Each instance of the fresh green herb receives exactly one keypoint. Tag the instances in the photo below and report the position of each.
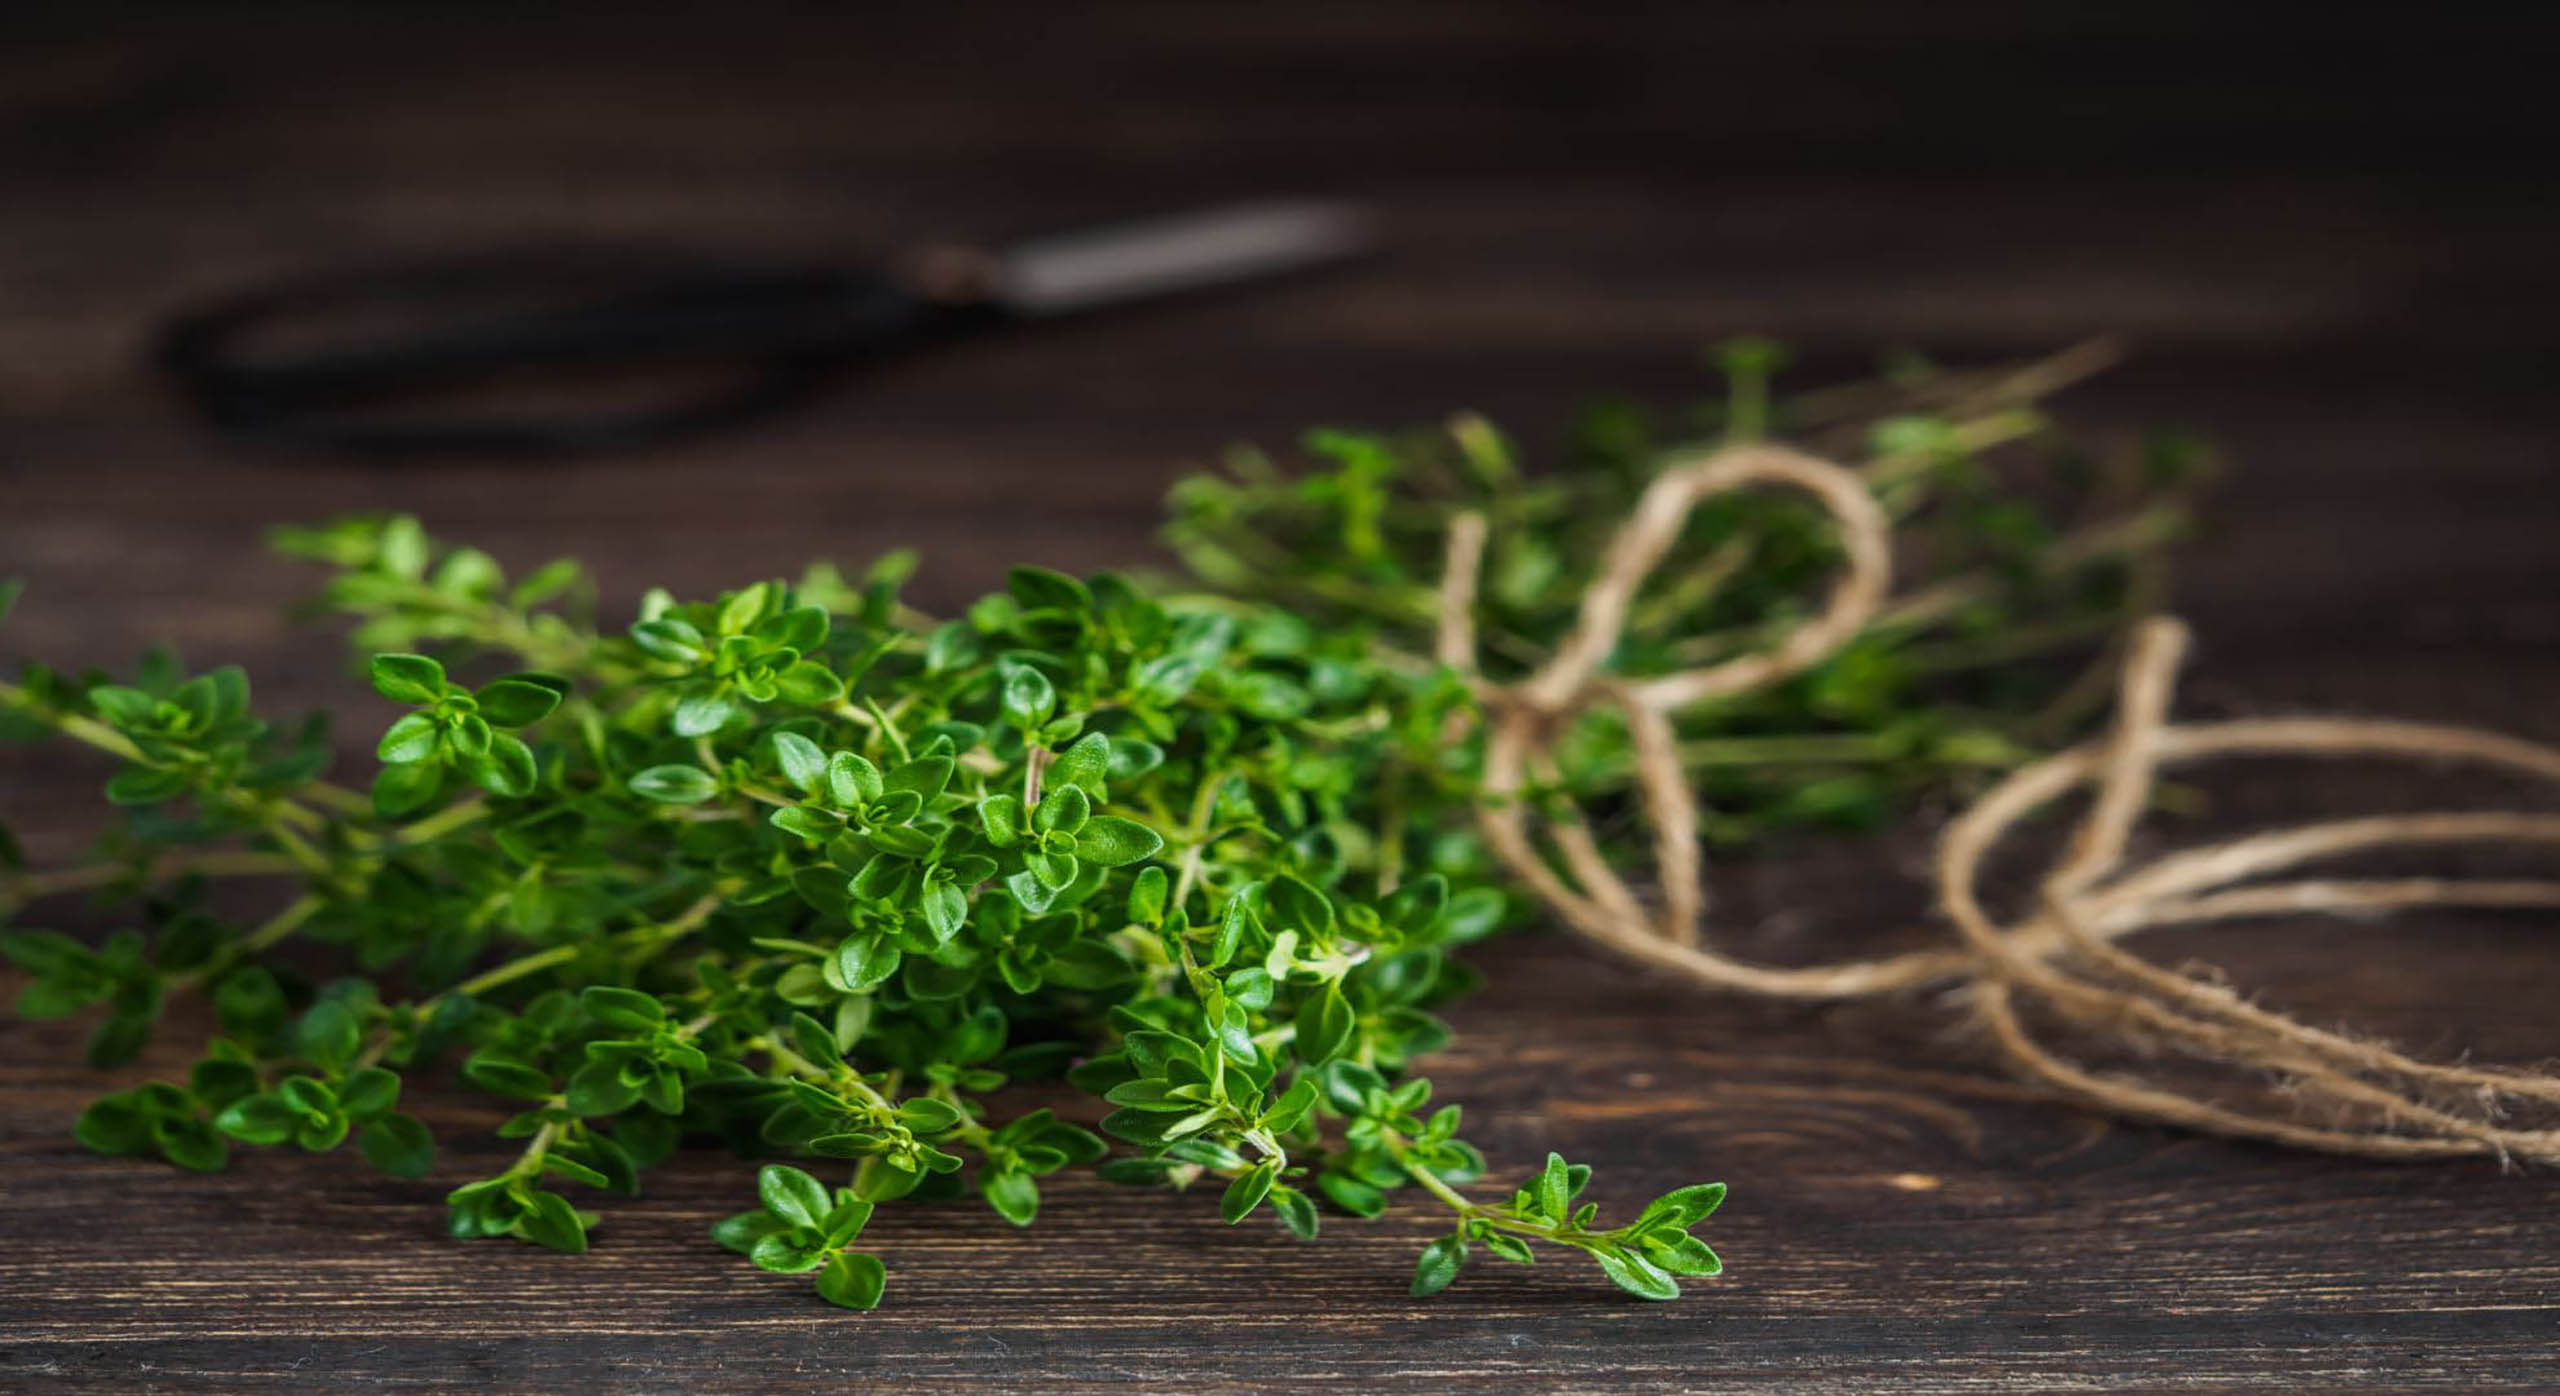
(798, 868)
(2018, 547)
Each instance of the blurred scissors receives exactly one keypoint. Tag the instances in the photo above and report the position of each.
(529, 343)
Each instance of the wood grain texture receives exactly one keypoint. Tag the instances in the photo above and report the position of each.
(2340, 281)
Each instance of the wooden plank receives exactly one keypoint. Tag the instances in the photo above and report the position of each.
(1574, 204)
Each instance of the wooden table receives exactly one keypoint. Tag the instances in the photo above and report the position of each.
(2328, 275)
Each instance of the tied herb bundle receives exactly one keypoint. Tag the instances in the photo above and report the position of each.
(2019, 548)
(802, 870)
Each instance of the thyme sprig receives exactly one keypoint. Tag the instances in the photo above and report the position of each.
(799, 868)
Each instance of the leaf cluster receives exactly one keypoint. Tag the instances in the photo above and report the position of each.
(801, 870)
(2021, 547)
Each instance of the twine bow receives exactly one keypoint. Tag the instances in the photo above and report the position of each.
(2266, 1075)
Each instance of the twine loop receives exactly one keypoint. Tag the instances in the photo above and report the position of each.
(2265, 1075)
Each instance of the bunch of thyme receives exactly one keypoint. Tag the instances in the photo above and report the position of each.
(798, 868)
(2019, 549)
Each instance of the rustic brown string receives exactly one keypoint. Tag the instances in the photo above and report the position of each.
(2266, 1075)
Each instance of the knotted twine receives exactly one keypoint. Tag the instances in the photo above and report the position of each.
(2266, 1075)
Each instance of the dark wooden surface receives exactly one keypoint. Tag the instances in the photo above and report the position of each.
(2308, 229)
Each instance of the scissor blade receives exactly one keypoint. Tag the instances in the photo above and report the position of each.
(1136, 261)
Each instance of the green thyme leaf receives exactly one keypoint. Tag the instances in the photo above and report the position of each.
(1440, 1263)
(516, 702)
(854, 1281)
(407, 678)
(792, 1195)
(675, 785)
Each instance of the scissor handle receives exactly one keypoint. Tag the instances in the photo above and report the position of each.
(783, 328)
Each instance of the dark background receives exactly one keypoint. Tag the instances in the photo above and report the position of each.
(2328, 235)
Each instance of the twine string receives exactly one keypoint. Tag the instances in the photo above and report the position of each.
(2264, 1074)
